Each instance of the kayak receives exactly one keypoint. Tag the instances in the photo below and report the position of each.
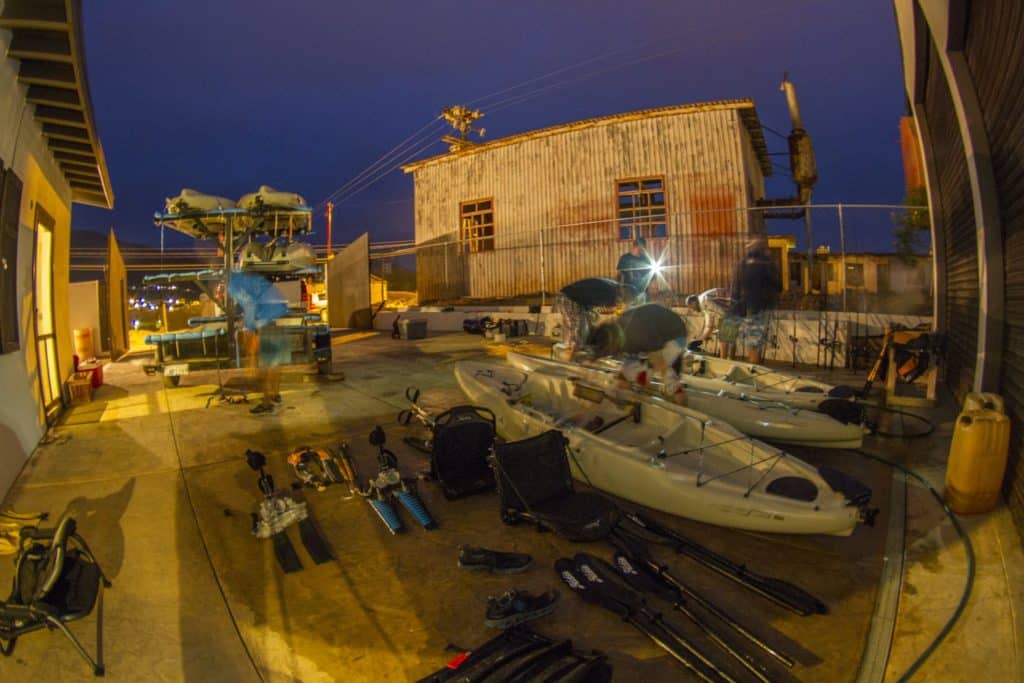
(639, 448)
(767, 420)
(755, 382)
(189, 201)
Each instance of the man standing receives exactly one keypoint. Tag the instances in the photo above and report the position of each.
(755, 291)
(635, 272)
(262, 304)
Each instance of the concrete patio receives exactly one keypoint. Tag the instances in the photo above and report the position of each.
(157, 480)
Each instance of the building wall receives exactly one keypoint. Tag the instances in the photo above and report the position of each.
(568, 180)
(972, 55)
(23, 148)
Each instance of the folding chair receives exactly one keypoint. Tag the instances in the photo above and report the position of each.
(57, 580)
(535, 484)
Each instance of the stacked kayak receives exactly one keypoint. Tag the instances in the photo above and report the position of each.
(651, 452)
(763, 419)
(757, 382)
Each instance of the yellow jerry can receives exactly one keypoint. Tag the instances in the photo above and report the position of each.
(977, 461)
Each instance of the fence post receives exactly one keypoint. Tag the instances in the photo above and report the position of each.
(543, 272)
(842, 253)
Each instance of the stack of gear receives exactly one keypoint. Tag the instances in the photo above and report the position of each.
(518, 655)
(912, 352)
(460, 443)
(318, 468)
(382, 491)
(276, 513)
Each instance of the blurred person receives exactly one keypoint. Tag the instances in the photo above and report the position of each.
(755, 292)
(262, 304)
(714, 305)
(577, 303)
(635, 269)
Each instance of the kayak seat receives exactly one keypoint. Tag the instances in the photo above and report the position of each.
(535, 484)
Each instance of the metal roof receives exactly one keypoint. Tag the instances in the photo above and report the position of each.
(46, 38)
(748, 114)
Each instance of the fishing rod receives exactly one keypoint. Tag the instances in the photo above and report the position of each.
(592, 589)
(645, 583)
(638, 554)
(778, 591)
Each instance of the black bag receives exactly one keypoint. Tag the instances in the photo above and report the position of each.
(461, 443)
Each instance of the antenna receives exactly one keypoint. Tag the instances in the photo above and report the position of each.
(461, 119)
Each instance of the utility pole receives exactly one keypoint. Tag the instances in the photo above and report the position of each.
(330, 221)
(461, 119)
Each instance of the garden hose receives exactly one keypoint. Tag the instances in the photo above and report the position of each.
(968, 549)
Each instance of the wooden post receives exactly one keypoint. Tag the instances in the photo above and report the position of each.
(330, 221)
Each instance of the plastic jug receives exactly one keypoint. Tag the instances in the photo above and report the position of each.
(977, 461)
(984, 400)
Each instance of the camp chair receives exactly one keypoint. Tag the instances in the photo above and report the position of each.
(461, 441)
(53, 585)
(534, 483)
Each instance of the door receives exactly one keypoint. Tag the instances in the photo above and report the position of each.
(46, 342)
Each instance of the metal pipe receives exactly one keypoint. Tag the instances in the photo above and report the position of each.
(794, 107)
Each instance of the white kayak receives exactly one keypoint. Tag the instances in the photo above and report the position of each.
(268, 196)
(639, 449)
(189, 201)
(759, 382)
(768, 420)
(277, 256)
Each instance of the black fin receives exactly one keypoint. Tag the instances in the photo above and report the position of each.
(285, 553)
(315, 543)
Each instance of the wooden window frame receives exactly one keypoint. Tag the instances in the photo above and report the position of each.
(478, 234)
(643, 221)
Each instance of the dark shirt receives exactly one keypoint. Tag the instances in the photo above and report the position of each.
(756, 285)
(635, 271)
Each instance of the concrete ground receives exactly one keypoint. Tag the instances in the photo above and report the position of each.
(157, 480)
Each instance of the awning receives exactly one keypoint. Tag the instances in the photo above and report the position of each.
(46, 38)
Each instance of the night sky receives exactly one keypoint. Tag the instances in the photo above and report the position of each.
(224, 96)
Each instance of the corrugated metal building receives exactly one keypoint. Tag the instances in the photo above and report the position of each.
(963, 66)
(538, 210)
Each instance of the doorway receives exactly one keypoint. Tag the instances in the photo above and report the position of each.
(46, 341)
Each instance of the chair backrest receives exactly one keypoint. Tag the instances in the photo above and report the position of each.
(461, 443)
(533, 471)
(50, 571)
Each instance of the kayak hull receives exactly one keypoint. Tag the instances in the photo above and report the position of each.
(711, 473)
(766, 420)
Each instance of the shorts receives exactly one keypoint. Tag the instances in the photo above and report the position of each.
(755, 329)
(275, 346)
(729, 329)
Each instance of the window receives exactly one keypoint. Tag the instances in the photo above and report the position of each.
(10, 208)
(641, 208)
(477, 221)
(855, 275)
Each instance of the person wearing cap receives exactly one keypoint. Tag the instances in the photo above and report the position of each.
(635, 272)
(755, 291)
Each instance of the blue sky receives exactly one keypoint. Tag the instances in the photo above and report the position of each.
(224, 96)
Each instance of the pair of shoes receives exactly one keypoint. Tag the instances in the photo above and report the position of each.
(494, 561)
(517, 607)
(261, 408)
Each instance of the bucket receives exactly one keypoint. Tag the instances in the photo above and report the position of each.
(83, 343)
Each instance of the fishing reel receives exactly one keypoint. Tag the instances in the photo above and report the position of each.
(257, 461)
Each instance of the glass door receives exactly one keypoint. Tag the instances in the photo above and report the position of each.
(46, 343)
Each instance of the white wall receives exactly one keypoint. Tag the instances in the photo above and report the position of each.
(23, 148)
(84, 311)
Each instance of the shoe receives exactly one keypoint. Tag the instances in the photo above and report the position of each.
(484, 560)
(277, 399)
(518, 607)
(262, 409)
